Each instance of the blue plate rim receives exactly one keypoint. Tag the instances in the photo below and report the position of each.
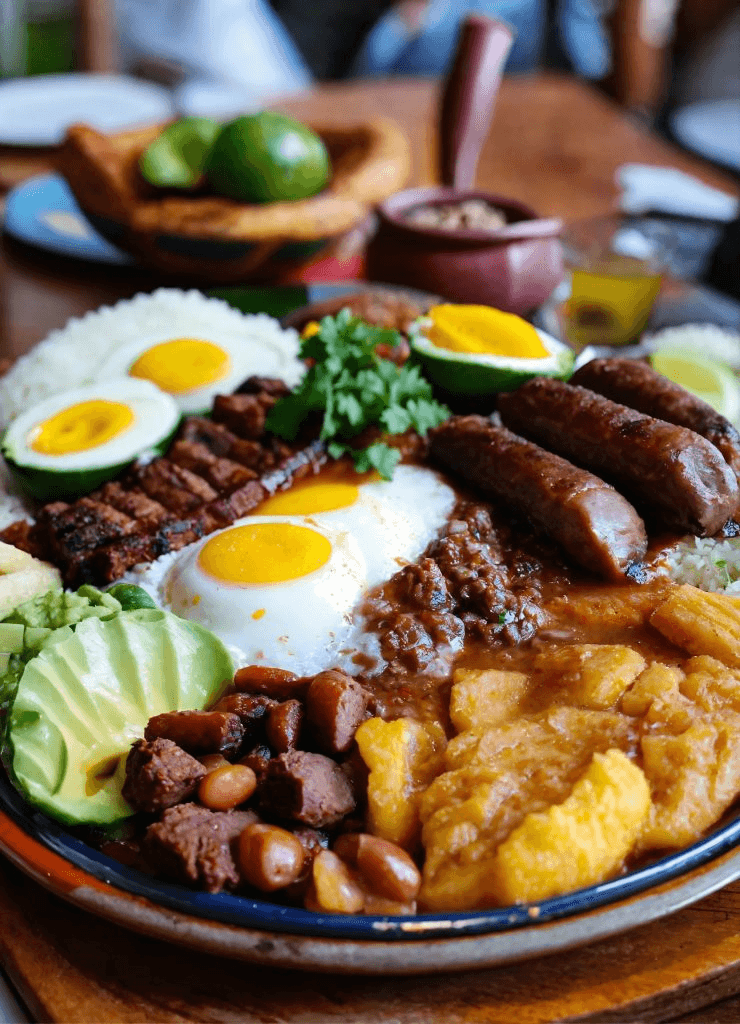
(243, 911)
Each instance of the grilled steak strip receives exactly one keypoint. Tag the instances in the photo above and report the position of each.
(598, 528)
(221, 473)
(179, 490)
(639, 386)
(133, 503)
(220, 442)
(209, 478)
(676, 476)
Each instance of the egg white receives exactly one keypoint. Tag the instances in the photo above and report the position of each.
(155, 416)
(311, 623)
(248, 355)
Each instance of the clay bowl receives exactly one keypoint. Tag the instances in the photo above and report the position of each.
(515, 268)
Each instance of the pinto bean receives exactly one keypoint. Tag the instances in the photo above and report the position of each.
(387, 869)
(227, 786)
(333, 888)
(269, 857)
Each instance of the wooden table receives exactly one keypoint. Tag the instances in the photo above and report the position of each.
(554, 144)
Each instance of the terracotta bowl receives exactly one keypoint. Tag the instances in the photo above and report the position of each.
(216, 239)
(514, 268)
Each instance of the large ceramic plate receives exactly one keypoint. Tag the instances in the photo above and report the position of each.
(261, 931)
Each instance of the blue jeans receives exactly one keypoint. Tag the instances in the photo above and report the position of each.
(391, 48)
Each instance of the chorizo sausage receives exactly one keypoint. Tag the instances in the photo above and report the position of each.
(595, 525)
(634, 383)
(673, 475)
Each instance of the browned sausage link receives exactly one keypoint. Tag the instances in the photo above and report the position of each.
(597, 526)
(198, 732)
(676, 476)
(283, 726)
(271, 682)
(639, 386)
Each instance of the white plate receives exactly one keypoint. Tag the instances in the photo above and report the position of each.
(711, 128)
(37, 111)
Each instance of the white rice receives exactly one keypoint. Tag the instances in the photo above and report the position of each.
(73, 355)
(709, 564)
(704, 339)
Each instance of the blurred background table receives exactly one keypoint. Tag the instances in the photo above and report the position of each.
(555, 143)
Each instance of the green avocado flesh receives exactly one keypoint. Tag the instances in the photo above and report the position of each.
(177, 157)
(478, 375)
(89, 694)
(55, 484)
(267, 157)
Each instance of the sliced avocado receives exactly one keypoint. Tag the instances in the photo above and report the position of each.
(73, 441)
(89, 694)
(131, 596)
(480, 374)
(11, 637)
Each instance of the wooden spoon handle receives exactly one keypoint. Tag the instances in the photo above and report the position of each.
(469, 97)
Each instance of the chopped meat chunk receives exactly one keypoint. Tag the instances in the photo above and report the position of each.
(225, 510)
(160, 774)
(335, 706)
(243, 414)
(198, 732)
(305, 787)
(258, 759)
(220, 441)
(272, 386)
(192, 844)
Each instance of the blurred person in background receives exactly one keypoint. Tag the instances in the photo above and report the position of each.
(257, 49)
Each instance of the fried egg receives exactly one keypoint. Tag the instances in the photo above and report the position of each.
(191, 346)
(283, 587)
(193, 370)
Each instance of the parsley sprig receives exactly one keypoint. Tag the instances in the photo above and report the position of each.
(355, 389)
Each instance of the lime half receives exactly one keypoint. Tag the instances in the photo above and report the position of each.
(706, 378)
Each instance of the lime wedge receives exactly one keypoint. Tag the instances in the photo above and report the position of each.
(706, 378)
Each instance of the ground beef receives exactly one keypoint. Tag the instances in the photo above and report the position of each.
(473, 581)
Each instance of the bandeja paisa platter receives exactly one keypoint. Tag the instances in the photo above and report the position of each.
(596, 718)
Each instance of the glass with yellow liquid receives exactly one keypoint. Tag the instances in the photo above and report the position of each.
(615, 280)
(610, 304)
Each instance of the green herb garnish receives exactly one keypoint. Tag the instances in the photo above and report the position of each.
(356, 389)
(721, 563)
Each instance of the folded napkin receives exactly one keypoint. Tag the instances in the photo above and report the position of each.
(667, 190)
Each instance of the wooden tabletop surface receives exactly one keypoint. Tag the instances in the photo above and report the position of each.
(554, 144)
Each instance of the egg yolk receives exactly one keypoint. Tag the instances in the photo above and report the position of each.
(264, 553)
(305, 499)
(484, 331)
(81, 427)
(182, 364)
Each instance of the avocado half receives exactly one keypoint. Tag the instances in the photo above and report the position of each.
(89, 693)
